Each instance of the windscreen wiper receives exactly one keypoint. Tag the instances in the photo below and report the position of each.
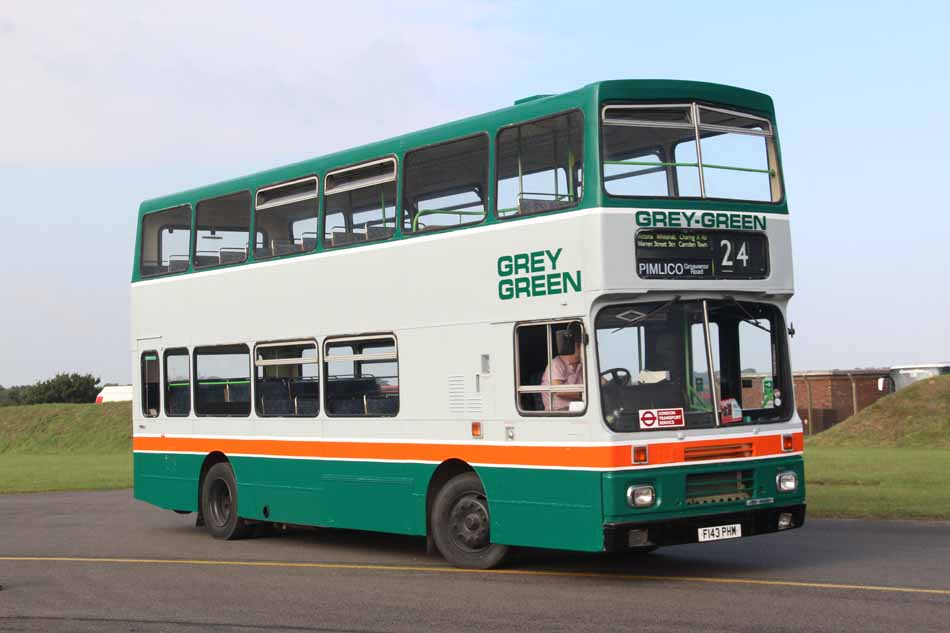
(633, 322)
(753, 321)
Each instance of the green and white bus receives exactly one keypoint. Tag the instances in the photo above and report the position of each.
(560, 324)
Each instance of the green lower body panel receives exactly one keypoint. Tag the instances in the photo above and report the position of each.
(560, 509)
(702, 489)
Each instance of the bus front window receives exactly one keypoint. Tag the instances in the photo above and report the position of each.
(688, 151)
(655, 365)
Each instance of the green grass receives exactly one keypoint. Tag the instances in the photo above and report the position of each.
(886, 483)
(48, 447)
(43, 473)
(891, 460)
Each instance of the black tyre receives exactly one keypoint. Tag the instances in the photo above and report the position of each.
(460, 524)
(219, 504)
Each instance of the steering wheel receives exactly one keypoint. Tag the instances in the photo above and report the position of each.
(617, 376)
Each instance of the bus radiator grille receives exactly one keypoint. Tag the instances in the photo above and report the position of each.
(723, 487)
(729, 451)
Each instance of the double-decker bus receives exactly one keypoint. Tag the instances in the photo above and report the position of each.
(560, 324)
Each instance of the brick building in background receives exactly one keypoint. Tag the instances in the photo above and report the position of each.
(824, 398)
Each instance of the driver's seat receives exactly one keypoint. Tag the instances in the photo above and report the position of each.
(534, 401)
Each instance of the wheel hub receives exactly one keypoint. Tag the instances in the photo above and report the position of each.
(468, 523)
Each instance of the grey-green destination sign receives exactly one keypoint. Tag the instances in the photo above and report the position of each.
(701, 220)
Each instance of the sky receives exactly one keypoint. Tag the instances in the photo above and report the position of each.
(105, 104)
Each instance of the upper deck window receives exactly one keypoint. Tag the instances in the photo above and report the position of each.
(446, 185)
(688, 150)
(360, 204)
(540, 165)
(222, 227)
(285, 218)
(165, 238)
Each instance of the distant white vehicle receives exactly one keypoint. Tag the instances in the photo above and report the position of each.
(905, 375)
(117, 393)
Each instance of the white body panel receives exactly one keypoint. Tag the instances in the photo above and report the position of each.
(439, 295)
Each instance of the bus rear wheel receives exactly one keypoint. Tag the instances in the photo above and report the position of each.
(460, 524)
(219, 504)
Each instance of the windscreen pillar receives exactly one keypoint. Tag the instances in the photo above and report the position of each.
(730, 372)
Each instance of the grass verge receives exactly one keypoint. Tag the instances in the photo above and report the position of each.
(880, 483)
(44, 473)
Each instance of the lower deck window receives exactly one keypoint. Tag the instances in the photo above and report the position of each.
(177, 383)
(362, 377)
(287, 380)
(550, 368)
(150, 385)
(223, 380)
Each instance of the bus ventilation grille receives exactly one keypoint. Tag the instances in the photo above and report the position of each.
(724, 487)
(727, 451)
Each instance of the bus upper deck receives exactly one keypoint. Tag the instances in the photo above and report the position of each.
(682, 150)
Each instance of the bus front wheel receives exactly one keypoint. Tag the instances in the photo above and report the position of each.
(219, 504)
(460, 524)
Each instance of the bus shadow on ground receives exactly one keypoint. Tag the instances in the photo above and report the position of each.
(755, 555)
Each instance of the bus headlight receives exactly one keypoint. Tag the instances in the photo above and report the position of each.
(786, 482)
(640, 496)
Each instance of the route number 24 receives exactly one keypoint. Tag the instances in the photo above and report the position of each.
(727, 258)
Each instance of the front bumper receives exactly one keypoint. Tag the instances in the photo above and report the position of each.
(625, 536)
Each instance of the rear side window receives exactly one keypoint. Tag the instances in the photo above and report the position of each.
(222, 227)
(362, 377)
(177, 383)
(223, 380)
(165, 241)
(540, 165)
(446, 185)
(287, 379)
(150, 385)
(285, 218)
(360, 204)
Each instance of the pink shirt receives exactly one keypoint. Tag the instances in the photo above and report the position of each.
(566, 372)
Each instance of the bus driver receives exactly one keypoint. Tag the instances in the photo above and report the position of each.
(565, 369)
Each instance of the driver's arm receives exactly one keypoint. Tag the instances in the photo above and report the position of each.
(567, 395)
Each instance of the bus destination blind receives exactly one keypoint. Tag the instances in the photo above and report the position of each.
(699, 254)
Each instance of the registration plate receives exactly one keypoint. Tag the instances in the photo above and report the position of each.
(720, 532)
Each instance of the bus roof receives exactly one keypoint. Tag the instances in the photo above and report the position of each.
(527, 108)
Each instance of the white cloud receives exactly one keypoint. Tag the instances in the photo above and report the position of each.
(199, 82)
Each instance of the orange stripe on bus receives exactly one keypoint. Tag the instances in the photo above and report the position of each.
(618, 456)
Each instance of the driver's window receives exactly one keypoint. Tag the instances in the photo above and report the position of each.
(550, 370)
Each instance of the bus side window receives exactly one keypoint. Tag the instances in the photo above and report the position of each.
(362, 377)
(223, 381)
(550, 368)
(285, 218)
(360, 204)
(165, 240)
(177, 383)
(287, 382)
(540, 165)
(222, 230)
(150, 384)
(446, 185)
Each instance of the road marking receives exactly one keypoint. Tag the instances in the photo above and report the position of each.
(497, 572)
